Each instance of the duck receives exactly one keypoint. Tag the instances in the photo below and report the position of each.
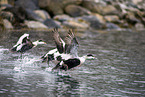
(24, 44)
(68, 52)
(54, 54)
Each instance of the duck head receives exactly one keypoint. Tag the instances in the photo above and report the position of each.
(89, 56)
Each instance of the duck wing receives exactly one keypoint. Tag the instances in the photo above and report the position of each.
(60, 44)
(71, 44)
(20, 42)
(22, 39)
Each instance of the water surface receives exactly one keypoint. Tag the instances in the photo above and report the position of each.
(118, 70)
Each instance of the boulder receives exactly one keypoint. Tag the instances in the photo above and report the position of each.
(31, 15)
(43, 14)
(35, 25)
(112, 26)
(130, 18)
(27, 4)
(137, 1)
(7, 15)
(62, 17)
(55, 7)
(91, 5)
(75, 10)
(7, 24)
(107, 10)
(4, 6)
(100, 18)
(100, 8)
(75, 25)
(1, 24)
(112, 18)
(139, 26)
(22, 14)
(50, 23)
(93, 21)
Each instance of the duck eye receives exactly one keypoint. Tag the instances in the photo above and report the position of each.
(40, 40)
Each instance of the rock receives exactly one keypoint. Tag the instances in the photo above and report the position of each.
(75, 25)
(27, 4)
(58, 23)
(31, 15)
(112, 18)
(55, 7)
(100, 18)
(123, 24)
(136, 1)
(43, 14)
(112, 26)
(1, 24)
(4, 6)
(130, 18)
(18, 12)
(122, 9)
(62, 18)
(7, 24)
(50, 23)
(100, 8)
(7, 15)
(35, 25)
(91, 5)
(139, 26)
(75, 10)
(107, 10)
(92, 21)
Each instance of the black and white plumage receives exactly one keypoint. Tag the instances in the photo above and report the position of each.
(64, 49)
(51, 55)
(69, 52)
(24, 44)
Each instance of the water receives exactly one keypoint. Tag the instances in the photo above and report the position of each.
(118, 70)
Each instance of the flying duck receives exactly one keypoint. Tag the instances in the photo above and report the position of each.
(68, 52)
(24, 44)
(54, 54)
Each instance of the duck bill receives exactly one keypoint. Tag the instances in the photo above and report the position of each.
(44, 42)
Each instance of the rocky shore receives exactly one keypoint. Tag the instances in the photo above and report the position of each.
(76, 14)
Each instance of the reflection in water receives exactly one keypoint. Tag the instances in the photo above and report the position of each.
(69, 86)
(117, 71)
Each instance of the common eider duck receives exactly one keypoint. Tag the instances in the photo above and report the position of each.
(69, 52)
(24, 44)
(54, 54)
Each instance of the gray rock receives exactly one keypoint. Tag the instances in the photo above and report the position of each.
(139, 26)
(4, 6)
(111, 18)
(29, 4)
(75, 24)
(43, 14)
(31, 15)
(75, 10)
(92, 21)
(112, 26)
(7, 15)
(137, 1)
(50, 23)
(7, 24)
(62, 17)
(99, 17)
(56, 6)
(130, 18)
(100, 8)
(35, 25)
(91, 5)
